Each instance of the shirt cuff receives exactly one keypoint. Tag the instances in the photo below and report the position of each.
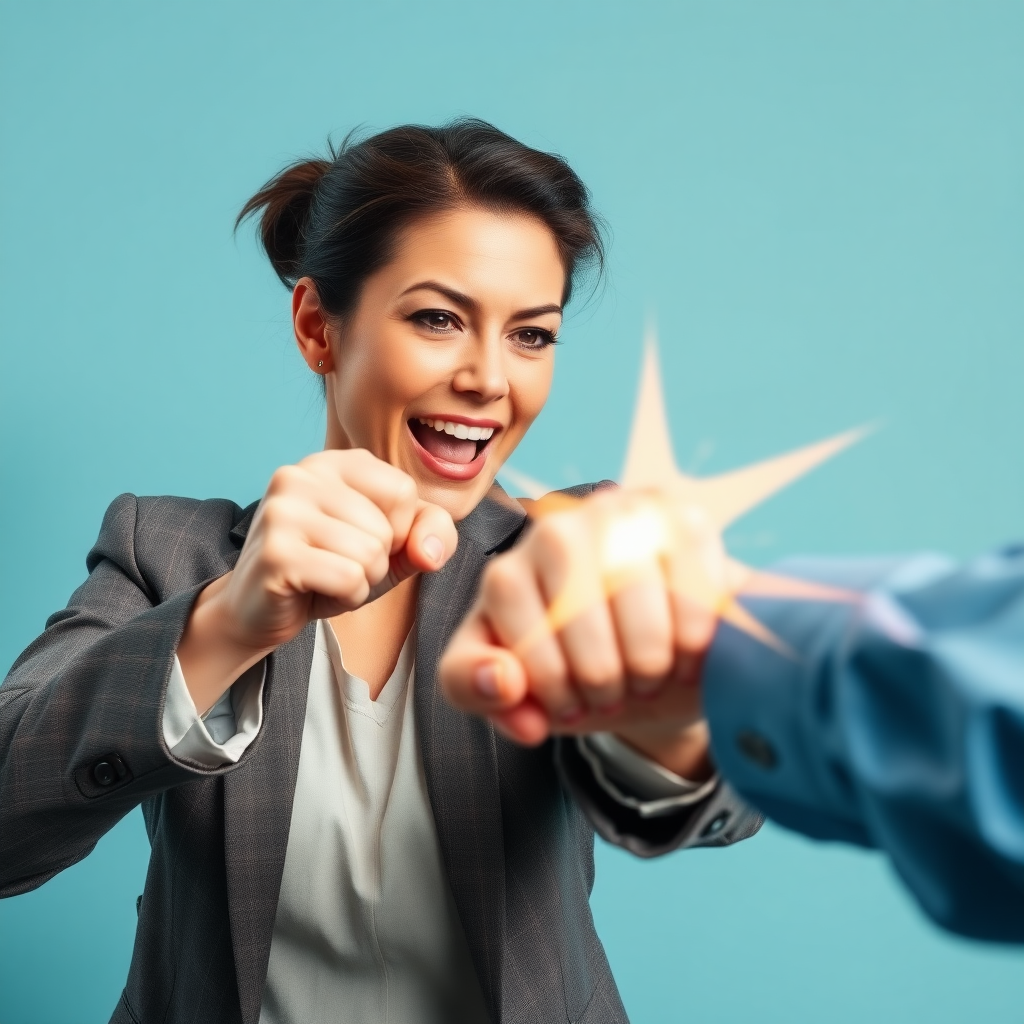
(222, 735)
(637, 782)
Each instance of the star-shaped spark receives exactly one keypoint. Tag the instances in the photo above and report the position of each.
(679, 520)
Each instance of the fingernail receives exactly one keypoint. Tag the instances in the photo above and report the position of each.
(434, 548)
(487, 679)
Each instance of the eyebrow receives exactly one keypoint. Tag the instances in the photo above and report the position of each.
(471, 304)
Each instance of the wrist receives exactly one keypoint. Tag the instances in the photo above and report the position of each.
(211, 654)
(685, 751)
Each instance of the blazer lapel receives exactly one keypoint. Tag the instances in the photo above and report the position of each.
(459, 762)
(258, 797)
(459, 757)
(257, 815)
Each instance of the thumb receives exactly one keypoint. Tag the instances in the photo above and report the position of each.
(478, 676)
(431, 541)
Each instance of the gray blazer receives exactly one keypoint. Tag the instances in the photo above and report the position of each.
(81, 744)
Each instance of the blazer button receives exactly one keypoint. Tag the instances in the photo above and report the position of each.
(754, 747)
(108, 769)
(715, 825)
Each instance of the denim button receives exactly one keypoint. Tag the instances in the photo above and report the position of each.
(754, 747)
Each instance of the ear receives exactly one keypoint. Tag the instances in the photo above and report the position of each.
(310, 325)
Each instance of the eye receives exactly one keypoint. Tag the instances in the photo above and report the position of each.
(534, 338)
(439, 321)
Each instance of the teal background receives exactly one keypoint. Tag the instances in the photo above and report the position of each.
(822, 205)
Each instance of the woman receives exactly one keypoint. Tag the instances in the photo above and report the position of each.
(330, 839)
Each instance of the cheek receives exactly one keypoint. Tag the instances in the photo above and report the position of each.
(385, 373)
(530, 387)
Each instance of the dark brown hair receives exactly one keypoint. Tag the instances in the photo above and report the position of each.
(335, 220)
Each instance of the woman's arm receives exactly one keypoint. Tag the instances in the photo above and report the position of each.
(572, 635)
(80, 711)
(83, 712)
(336, 530)
(577, 630)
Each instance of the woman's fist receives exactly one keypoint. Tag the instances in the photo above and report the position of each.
(596, 621)
(332, 532)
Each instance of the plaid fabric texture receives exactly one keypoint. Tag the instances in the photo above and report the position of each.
(81, 744)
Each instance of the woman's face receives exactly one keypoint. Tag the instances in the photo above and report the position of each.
(448, 357)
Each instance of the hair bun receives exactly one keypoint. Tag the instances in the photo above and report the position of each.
(336, 220)
(286, 201)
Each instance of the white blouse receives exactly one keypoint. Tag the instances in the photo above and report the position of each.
(367, 930)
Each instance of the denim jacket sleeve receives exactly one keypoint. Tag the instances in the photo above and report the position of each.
(896, 721)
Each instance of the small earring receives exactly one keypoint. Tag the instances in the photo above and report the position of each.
(320, 364)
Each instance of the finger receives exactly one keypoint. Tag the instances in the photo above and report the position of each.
(527, 723)
(569, 577)
(476, 674)
(643, 621)
(431, 542)
(479, 677)
(341, 538)
(293, 486)
(514, 609)
(327, 574)
(595, 663)
(698, 573)
(389, 488)
(344, 503)
(693, 624)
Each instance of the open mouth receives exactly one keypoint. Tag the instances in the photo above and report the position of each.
(452, 448)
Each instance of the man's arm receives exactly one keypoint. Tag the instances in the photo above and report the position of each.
(896, 722)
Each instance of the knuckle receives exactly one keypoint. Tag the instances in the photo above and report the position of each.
(503, 581)
(277, 511)
(377, 568)
(351, 579)
(557, 533)
(405, 489)
(652, 640)
(387, 536)
(376, 550)
(598, 675)
(550, 679)
(283, 479)
(274, 551)
(352, 462)
(654, 660)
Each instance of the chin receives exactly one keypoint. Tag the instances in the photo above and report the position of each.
(458, 500)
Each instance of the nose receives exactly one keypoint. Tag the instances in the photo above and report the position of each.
(482, 373)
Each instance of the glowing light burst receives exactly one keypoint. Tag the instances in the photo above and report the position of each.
(676, 521)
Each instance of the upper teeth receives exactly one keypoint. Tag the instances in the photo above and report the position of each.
(461, 430)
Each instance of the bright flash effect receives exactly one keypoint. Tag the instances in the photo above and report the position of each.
(678, 521)
(636, 538)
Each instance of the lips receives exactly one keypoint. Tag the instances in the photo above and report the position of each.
(455, 449)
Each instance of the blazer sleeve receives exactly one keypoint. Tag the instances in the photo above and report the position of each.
(896, 721)
(81, 712)
(720, 818)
